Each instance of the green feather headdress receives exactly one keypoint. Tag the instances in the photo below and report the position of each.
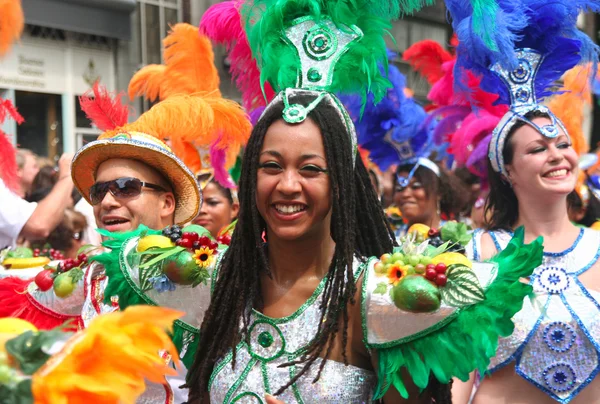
(322, 47)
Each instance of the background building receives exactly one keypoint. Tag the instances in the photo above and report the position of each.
(69, 44)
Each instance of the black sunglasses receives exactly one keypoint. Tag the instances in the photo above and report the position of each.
(121, 188)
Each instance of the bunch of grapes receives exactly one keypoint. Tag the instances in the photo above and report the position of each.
(173, 232)
(71, 263)
(51, 253)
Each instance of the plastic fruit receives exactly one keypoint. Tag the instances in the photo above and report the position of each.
(420, 229)
(426, 260)
(596, 225)
(441, 268)
(420, 268)
(181, 268)
(433, 233)
(398, 256)
(441, 280)
(451, 258)
(379, 268)
(154, 241)
(431, 274)
(11, 325)
(414, 260)
(385, 258)
(63, 285)
(45, 280)
(23, 263)
(416, 294)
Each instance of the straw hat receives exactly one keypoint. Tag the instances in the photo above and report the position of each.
(146, 149)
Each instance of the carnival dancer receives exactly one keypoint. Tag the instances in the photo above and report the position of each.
(520, 50)
(301, 314)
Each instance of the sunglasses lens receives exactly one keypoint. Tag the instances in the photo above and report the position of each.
(98, 192)
(126, 187)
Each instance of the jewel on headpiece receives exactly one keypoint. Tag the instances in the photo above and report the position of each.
(521, 84)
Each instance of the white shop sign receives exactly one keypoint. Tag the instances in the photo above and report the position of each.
(52, 69)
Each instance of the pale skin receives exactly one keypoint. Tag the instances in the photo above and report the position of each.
(152, 208)
(542, 202)
(292, 172)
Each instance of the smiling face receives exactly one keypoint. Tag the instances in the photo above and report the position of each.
(541, 167)
(293, 188)
(414, 203)
(217, 211)
(151, 208)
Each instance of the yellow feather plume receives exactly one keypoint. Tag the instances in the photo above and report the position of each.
(189, 67)
(12, 22)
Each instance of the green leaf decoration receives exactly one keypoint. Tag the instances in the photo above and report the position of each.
(463, 288)
(27, 349)
(172, 251)
(156, 250)
(19, 393)
(148, 272)
(76, 274)
(87, 248)
(200, 276)
(456, 232)
(435, 251)
(381, 288)
(21, 252)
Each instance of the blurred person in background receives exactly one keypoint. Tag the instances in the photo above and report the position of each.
(30, 220)
(28, 168)
(220, 206)
(68, 236)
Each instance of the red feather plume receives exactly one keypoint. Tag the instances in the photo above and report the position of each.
(104, 109)
(8, 161)
(427, 57)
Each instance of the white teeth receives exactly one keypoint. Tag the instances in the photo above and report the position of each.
(289, 208)
(557, 173)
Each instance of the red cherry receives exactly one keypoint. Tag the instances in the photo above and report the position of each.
(430, 274)
(204, 240)
(430, 266)
(77, 262)
(194, 236)
(45, 251)
(433, 233)
(45, 279)
(82, 257)
(186, 235)
(227, 240)
(440, 268)
(441, 280)
(213, 245)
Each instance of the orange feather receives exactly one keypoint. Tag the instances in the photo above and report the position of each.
(189, 67)
(12, 22)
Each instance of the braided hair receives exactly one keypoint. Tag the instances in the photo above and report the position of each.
(358, 227)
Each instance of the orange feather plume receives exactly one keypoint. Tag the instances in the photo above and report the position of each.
(12, 22)
(188, 67)
(569, 106)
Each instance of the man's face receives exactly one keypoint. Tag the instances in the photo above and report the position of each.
(151, 207)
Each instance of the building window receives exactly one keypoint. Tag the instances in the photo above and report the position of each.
(154, 20)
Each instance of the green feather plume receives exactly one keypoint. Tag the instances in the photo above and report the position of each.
(356, 72)
(452, 352)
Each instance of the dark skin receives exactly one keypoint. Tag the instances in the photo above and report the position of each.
(300, 247)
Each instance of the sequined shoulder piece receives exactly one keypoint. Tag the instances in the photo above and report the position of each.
(385, 324)
(263, 362)
(556, 341)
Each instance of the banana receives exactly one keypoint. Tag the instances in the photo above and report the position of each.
(23, 263)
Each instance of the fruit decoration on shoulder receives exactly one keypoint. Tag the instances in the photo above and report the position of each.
(224, 236)
(178, 256)
(422, 274)
(24, 258)
(64, 277)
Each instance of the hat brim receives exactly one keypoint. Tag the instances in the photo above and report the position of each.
(187, 193)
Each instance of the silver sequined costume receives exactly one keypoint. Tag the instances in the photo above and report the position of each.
(556, 342)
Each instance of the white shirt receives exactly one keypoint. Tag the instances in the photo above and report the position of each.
(90, 236)
(14, 213)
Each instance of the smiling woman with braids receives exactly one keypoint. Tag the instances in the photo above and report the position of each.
(299, 310)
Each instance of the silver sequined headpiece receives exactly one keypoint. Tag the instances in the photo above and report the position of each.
(319, 44)
(521, 84)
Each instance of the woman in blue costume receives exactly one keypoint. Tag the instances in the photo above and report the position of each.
(553, 353)
(396, 131)
(307, 316)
